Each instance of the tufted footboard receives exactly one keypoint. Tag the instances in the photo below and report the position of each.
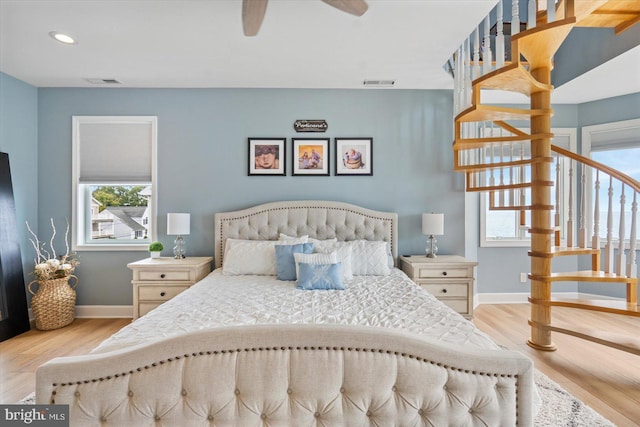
(292, 375)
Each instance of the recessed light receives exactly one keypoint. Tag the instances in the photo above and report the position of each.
(62, 38)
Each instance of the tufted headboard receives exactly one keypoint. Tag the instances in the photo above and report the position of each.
(315, 218)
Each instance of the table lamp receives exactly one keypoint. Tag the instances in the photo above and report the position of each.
(432, 225)
(178, 224)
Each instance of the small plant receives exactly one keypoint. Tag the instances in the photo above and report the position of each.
(155, 247)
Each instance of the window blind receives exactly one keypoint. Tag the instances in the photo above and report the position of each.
(115, 152)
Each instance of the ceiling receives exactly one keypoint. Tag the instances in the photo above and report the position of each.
(200, 43)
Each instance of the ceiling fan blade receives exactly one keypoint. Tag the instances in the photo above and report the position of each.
(354, 7)
(252, 16)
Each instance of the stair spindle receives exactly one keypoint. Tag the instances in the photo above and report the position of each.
(595, 240)
(621, 258)
(570, 208)
(531, 14)
(499, 37)
(551, 11)
(486, 48)
(608, 247)
(476, 54)
(501, 200)
(582, 231)
(557, 214)
(512, 178)
(468, 86)
(515, 20)
(632, 268)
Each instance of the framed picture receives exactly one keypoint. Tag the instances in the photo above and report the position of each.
(310, 156)
(354, 156)
(267, 156)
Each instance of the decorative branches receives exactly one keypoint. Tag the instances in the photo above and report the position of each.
(48, 265)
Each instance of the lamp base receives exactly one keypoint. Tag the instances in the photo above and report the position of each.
(178, 249)
(431, 248)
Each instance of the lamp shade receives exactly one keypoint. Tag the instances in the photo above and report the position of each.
(178, 223)
(433, 224)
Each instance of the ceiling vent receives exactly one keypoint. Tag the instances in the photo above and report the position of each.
(103, 81)
(379, 83)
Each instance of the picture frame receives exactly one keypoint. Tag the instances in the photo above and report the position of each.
(354, 156)
(310, 156)
(267, 156)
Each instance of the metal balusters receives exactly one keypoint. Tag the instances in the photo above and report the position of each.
(632, 268)
(621, 258)
(595, 240)
(499, 36)
(570, 207)
(582, 231)
(486, 47)
(608, 247)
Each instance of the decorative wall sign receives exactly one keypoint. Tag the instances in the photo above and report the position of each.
(267, 156)
(310, 125)
(354, 156)
(310, 156)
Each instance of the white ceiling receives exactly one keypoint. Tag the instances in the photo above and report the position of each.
(200, 43)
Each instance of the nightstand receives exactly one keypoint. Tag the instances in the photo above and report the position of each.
(156, 280)
(448, 277)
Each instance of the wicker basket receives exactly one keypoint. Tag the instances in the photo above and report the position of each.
(54, 303)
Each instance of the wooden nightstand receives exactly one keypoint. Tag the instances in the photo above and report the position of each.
(448, 277)
(156, 280)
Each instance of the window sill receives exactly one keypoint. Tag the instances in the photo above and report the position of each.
(113, 247)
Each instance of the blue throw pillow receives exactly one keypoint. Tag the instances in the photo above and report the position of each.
(285, 263)
(320, 276)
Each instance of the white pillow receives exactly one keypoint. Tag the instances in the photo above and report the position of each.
(292, 240)
(330, 258)
(344, 253)
(257, 257)
(369, 258)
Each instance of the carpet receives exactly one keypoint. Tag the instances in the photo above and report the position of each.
(559, 407)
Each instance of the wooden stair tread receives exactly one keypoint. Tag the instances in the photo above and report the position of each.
(512, 77)
(520, 208)
(539, 44)
(614, 306)
(479, 113)
(621, 342)
(499, 187)
(585, 276)
(489, 166)
(563, 251)
(619, 14)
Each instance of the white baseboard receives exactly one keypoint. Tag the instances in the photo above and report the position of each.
(99, 311)
(522, 297)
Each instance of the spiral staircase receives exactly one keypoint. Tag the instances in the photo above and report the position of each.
(516, 167)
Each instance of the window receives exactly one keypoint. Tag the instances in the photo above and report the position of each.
(502, 228)
(616, 145)
(114, 192)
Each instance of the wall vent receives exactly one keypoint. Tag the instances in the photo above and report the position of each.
(379, 83)
(103, 81)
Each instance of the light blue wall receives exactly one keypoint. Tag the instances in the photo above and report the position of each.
(19, 138)
(202, 161)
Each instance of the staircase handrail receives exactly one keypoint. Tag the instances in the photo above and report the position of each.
(635, 185)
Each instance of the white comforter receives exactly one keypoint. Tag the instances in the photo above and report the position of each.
(392, 301)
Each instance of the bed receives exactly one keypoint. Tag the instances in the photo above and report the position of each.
(240, 348)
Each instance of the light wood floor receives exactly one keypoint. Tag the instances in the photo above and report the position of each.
(606, 379)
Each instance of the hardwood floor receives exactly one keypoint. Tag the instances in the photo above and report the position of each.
(606, 379)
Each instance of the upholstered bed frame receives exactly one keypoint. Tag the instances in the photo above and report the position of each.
(294, 375)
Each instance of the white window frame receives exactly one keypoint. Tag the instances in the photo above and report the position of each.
(588, 134)
(81, 195)
(572, 134)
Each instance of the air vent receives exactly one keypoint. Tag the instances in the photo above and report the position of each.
(380, 83)
(103, 81)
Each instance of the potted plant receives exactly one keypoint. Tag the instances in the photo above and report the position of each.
(155, 248)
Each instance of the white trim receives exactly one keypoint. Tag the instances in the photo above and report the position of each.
(522, 297)
(99, 312)
(78, 240)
